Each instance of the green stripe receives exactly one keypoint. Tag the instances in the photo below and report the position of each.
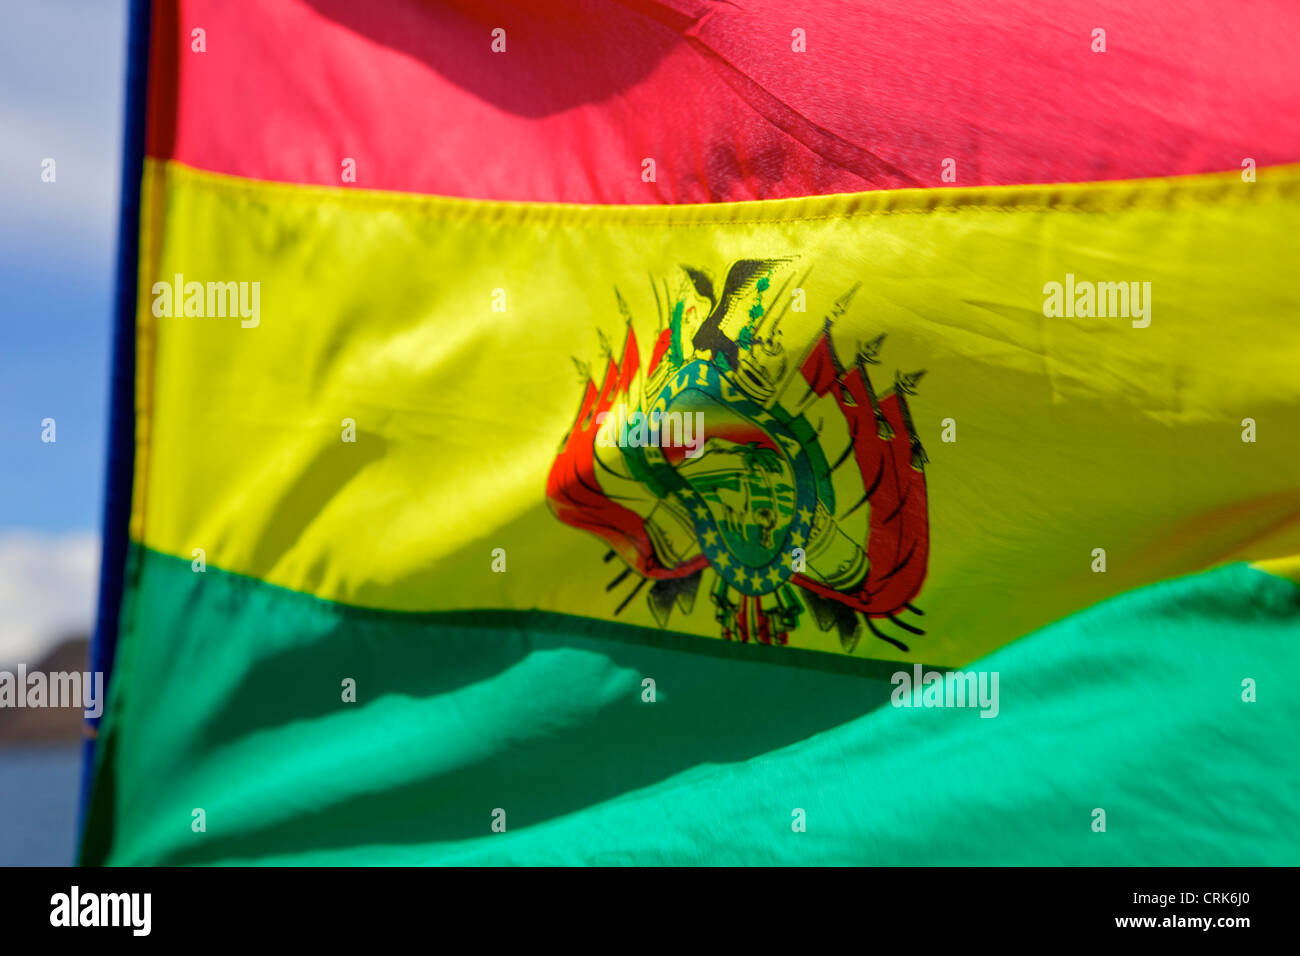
(227, 697)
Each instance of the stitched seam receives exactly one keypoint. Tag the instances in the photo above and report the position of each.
(1125, 196)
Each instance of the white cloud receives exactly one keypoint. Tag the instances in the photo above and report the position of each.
(79, 208)
(48, 586)
(62, 79)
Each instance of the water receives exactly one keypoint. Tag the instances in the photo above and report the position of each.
(39, 790)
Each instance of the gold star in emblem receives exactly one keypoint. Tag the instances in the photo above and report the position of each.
(710, 538)
(740, 575)
(722, 560)
(805, 516)
(774, 574)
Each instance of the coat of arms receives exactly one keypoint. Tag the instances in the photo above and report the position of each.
(773, 475)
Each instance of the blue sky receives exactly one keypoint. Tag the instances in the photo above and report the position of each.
(61, 88)
(61, 84)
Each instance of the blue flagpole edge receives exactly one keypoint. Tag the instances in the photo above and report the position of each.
(120, 459)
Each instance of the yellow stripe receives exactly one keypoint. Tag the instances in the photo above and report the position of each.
(1288, 567)
(1072, 434)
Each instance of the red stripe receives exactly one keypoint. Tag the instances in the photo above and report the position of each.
(164, 53)
(712, 91)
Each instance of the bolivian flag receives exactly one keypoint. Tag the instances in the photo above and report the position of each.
(694, 432)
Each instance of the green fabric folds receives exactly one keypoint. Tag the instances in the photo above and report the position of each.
(228, 699)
